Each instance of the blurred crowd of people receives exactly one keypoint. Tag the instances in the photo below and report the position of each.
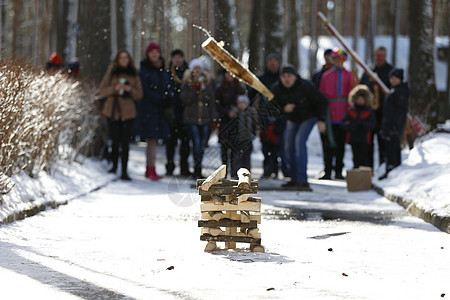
(181, 103)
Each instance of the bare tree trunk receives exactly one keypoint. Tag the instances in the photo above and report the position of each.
(1, 25)
(138, 13)
(16, 25)
(291, 32)
(356, 31)
(254, 42)
(421, 60)
(371, 32)
(128, 31)
(273, 30)
(448, 58)
(113, 25)
(395, 31)
(71, 47)
(313, 43)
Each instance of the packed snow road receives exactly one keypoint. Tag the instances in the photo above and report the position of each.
(140, 240)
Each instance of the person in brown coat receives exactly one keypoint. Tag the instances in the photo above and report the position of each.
(121, 86)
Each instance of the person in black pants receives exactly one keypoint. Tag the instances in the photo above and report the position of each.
(395, 110)
(120, 86)
(177, 67)
(382, 68)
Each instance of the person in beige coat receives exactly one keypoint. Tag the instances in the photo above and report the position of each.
(120, 86)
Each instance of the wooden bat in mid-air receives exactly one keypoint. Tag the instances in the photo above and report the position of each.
(232, 65)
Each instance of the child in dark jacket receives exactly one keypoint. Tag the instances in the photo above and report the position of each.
(395, 110)
(240, 134)
(359, 121)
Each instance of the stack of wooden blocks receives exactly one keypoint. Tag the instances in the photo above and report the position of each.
(229, 214)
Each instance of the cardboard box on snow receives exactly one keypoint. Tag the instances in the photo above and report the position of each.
(359, 179)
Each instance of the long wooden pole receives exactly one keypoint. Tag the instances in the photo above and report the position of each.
(353, 53)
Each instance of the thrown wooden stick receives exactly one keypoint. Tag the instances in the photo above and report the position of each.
(229, 62)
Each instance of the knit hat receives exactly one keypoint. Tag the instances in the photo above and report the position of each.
(397, 73)
(152, 46)
(55, 59)
(338, 52)
(196, 62)
(274, 55)
(288, 69)
(243, 98)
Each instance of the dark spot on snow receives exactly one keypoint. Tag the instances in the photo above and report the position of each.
(330, 249)
(326, 236)
(270, 289)
(345, 275)
(442, 295)
(170, 268)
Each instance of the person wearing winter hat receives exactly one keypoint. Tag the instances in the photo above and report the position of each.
(198, 96)
(336, 84)
(271, 128)
(303, 106)
(226, 96)
(327, 56)
(240, 133)
(157, 89)
(359, 121)
(54, 64)
(177, 67)
(395, 111)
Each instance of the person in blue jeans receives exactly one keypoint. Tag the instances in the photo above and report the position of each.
(303, 106)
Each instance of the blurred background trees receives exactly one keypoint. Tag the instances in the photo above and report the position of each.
(91, 31)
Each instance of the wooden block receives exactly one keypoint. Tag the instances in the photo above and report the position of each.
(243, 197)
(210, 246)
(212, 231)
(245, 178)
(257, 248)
(214, 177)
(247, 205)
(228, 183)
(217, 200)
(228, 223)
(216, 215)
(254, 232)
(227, 190)
(245, 217)
(231, 231)
(225, 238)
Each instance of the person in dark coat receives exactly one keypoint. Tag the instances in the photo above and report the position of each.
(157, 89)
(240, 132)
(271, 127)
(177, 67)
(120, 86)
(226, 96)
(198, 96)
(303, 106)
(395, 111)
(327, 55)
(382, 68)
(359, 121)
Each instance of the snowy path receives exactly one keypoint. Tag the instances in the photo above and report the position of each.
(118, 242)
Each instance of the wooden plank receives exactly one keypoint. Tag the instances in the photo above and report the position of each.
(257, 248)
(217, 200)
(228, 223)
(228, 182)
(231, 231)
(245, 178)
(224, 238)
(247, 205)
(223, 190)
(214, 177)
(242, 198)
(210, 246)
(216, 215)
(245, 217)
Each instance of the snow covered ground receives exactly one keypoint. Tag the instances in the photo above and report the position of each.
(121, 241)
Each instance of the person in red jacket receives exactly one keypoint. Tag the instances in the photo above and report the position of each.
(336, 84)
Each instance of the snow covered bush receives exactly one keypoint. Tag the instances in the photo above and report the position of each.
(43, 118)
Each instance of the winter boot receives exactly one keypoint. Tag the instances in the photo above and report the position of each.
(198, 172)
(169, 168)
(184, 170)
(151, 173)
